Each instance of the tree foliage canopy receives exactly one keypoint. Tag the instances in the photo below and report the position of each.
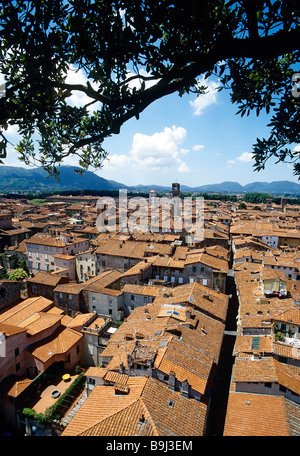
(18, 274)
(134, 52)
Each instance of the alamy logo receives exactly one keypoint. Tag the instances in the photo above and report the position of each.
(296, 351)
(2, 87)
(159, 215)
(296, 85)
(2, 345)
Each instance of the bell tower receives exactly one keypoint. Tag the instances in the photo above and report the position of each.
(152, 198)
(175, 189)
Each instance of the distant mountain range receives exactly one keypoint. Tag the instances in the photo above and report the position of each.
(16, 179)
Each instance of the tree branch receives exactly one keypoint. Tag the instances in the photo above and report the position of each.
(259, 48)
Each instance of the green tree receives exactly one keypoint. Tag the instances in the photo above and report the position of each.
(18, 274)
(3, 273)
(134, 52)
(255, 198)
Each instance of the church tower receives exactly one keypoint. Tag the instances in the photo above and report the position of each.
(175, 189)
(152, 198)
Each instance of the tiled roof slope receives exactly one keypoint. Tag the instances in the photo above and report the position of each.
(57, 344)
(21, 312)
(267, 369)
(150, 408)
(256, 415)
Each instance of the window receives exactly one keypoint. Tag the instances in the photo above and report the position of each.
(70, 297)
(34, 289)
(195, 269)
(38, 265)
(172, 312)
(18, 367)
(16, 352)
(171, 404)
(77, 349)
(30, 254)
(46, 257)
(47, 267)
(103, 262)
(109, 311)
(69, 358)
(132, 297)
(268, 384)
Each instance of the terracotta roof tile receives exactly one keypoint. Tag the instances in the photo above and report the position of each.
(149, 408)
(24, 310)
(256, 415)
(62, 340)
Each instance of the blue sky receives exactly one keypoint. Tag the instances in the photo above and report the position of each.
(191, 140)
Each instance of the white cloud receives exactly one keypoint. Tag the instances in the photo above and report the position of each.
(158, 152)
(116, 162)
(245, 157)
(12, 131)
(203, 101)
(78, 98)
(137, 82)
(198, 147)
(183, 168)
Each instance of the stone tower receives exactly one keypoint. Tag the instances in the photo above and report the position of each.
(175, 189)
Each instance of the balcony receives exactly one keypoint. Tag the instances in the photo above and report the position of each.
(286, 335)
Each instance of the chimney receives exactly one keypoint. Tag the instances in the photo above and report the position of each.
(185, 389)
(122, 370)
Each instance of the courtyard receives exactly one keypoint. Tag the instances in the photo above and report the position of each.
(44, 399)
